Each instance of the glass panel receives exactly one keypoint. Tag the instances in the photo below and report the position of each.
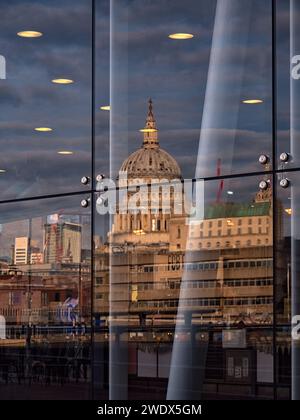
(189, 292)
(288, 83)
(288, 265)
(47, 47)
(101, 309)
(45, 300)
(102, 97)
(283, 82)
(214, 85)
(287, 288)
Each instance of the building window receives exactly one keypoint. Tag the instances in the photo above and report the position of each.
(227, 244)
(10, 298)
(209, 234)
(250, 230)
(238, 243)
(153, 225)
(200, 245)
(219, 223)
(145, 221)
(178, 233)
(248, 242)
(249, 221)
(210, 225)
(218, 244)
(44, 299)
(259, 221)
(240, 222)
(228, 232)
(99, 281)
(208, 244)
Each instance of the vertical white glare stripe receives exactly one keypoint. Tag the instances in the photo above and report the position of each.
(2, 67)
(180, 384)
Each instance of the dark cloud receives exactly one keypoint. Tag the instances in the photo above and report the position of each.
(10, 95)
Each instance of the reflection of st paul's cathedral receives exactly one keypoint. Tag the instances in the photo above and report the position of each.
(223, 261)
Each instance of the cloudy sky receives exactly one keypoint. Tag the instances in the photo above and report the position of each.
(29, 99)
(197, 87)
(146, 63)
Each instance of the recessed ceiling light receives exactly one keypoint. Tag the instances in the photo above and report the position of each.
(148, 130)
(65, 152)
(43, 129)
(181, 36)
(252, 101)
(2, 171)
(30, 34)
(63, 81)
(230, 192)
(105, 108)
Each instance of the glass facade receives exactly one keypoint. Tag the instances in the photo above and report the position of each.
(149, 179)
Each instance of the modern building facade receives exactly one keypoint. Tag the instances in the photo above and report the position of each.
(21, 251)
(149, 248)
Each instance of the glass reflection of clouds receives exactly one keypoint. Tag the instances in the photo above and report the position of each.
(48, 46)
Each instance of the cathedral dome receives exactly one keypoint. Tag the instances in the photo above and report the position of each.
(155, 163)
(150, 161)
